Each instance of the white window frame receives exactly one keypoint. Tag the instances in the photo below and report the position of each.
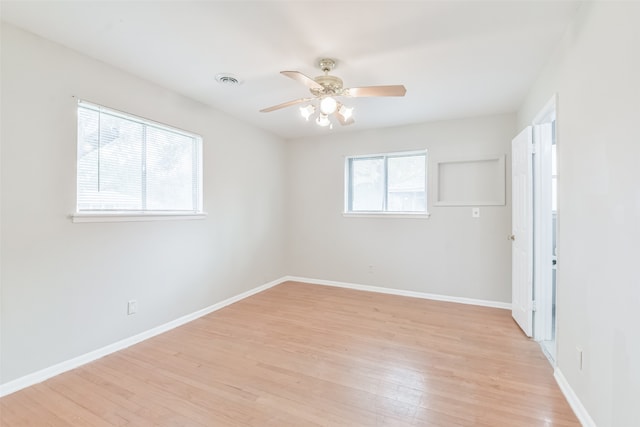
(143, 215)
(384, 214)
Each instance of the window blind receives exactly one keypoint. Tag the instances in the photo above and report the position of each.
(126, 163)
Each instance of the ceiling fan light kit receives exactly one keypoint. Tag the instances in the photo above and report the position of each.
(323, 120)
(307, 111)
(328, 105)
(325, 89)
(345, 112)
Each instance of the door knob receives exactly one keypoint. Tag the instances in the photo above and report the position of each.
(511, 237)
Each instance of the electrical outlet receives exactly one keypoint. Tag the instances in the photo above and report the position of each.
(132, 307)
(475, 212)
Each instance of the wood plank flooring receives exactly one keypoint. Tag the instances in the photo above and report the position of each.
(308, 355)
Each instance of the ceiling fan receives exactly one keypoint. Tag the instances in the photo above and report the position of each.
(325, 89)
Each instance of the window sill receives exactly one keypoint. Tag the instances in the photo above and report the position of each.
(135, 216)
(408, 215)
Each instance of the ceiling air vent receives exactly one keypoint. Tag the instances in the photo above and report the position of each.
(228, 79)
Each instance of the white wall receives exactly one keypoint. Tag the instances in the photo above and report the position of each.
(596, 74)
(450, 253)
(65, 286)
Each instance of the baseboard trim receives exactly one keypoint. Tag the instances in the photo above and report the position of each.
(57, 369)
(401, 292)
(575, 403)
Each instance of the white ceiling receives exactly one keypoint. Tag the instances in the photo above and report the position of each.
(456, 58)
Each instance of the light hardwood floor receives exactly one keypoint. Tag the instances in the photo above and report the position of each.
(308, 355)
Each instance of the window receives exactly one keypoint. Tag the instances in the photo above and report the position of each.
(386, 183)
(129, 165)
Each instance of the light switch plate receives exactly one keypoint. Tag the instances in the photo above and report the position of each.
(132, 307)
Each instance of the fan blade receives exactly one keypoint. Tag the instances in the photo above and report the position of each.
(393, 90)
(304, 79)
(285, 104)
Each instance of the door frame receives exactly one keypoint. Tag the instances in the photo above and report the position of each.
(543, 225)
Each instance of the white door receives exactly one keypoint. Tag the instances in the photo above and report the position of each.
(522, 230)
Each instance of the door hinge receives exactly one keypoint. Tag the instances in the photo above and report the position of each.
(534, 306)
(533, 148)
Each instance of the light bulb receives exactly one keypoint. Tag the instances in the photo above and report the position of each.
(307, 111)
(328, 105)
(323, 120)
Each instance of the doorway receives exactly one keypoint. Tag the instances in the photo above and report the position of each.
(534, 225)
(545, 228)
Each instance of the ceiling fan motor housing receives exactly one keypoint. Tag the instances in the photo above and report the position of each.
(331, 85)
